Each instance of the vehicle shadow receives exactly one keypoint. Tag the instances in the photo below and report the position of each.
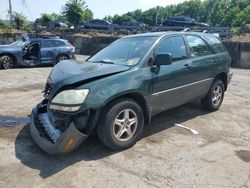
(33, 157)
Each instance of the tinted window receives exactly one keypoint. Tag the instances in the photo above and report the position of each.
(197, 46)
(47, 44)
(93, 21)
(52, 43)
(216, 43)
(59, 43)
(174, 46)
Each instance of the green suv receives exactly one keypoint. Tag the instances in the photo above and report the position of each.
(117, 90)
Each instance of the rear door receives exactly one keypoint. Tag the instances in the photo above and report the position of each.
(170, 81)
(204, 60)
(47, 51)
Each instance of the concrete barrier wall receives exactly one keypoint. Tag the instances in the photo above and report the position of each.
(8, 38)
(240, 53)
(88, 45)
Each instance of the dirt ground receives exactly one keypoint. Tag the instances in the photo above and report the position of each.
(166, 156)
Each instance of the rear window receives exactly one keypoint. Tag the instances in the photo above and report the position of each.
(216, 44)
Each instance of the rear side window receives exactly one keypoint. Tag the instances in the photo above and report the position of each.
(216, 44)
(58, 43)
(173, 45)
(52, 43)
(197, 46)
(47, 44)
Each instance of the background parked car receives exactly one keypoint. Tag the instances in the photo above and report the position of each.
(57, 24)
(133, 25)
(182, 21)
(97, 24)
(35, 52)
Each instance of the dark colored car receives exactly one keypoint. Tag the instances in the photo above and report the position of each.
(97, 24)
(35, 52)
(119, 89)
(182, 21)
(133, 25)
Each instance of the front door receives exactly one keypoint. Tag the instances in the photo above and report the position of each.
(32, 54)
(170, 82)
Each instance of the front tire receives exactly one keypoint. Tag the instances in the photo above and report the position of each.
(215, 96)
(121, 124)
(6, 62)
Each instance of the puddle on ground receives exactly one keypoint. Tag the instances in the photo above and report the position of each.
(13, 121)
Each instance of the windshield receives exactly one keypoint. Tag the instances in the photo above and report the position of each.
(18, 43)
(127, 51)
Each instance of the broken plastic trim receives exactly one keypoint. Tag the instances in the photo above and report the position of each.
(70, 139)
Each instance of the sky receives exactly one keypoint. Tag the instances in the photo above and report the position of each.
(100, 8)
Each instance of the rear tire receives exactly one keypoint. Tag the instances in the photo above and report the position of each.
(121, 124)
(61, 58)
(6, 62)
(215, 96)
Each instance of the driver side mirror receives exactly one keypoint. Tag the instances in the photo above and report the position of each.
(163, 59)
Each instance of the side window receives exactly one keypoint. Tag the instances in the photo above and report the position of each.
(58, 43)
(197, 46)
(47, 44)
(175, 46)
(216, 43)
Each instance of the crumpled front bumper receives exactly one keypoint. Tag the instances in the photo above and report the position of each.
(69, 140)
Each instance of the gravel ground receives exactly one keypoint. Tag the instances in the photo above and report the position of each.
(166, 156)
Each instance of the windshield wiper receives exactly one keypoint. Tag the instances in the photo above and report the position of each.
(106, 62)
(102, 61)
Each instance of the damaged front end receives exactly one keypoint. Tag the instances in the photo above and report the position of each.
(58, 133)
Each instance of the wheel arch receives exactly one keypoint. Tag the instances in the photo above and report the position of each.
(60, 54)
(223, 77)
(138, 98)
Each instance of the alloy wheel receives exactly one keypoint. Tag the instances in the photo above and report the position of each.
(8, 63)
(217, 95)
(125, 125)
(63, 57)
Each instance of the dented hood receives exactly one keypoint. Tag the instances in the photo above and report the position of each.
(70, 72)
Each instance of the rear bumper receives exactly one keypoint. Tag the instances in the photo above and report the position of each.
(229, 78)
(69, 140)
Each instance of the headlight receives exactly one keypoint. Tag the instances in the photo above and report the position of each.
(69, 100)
